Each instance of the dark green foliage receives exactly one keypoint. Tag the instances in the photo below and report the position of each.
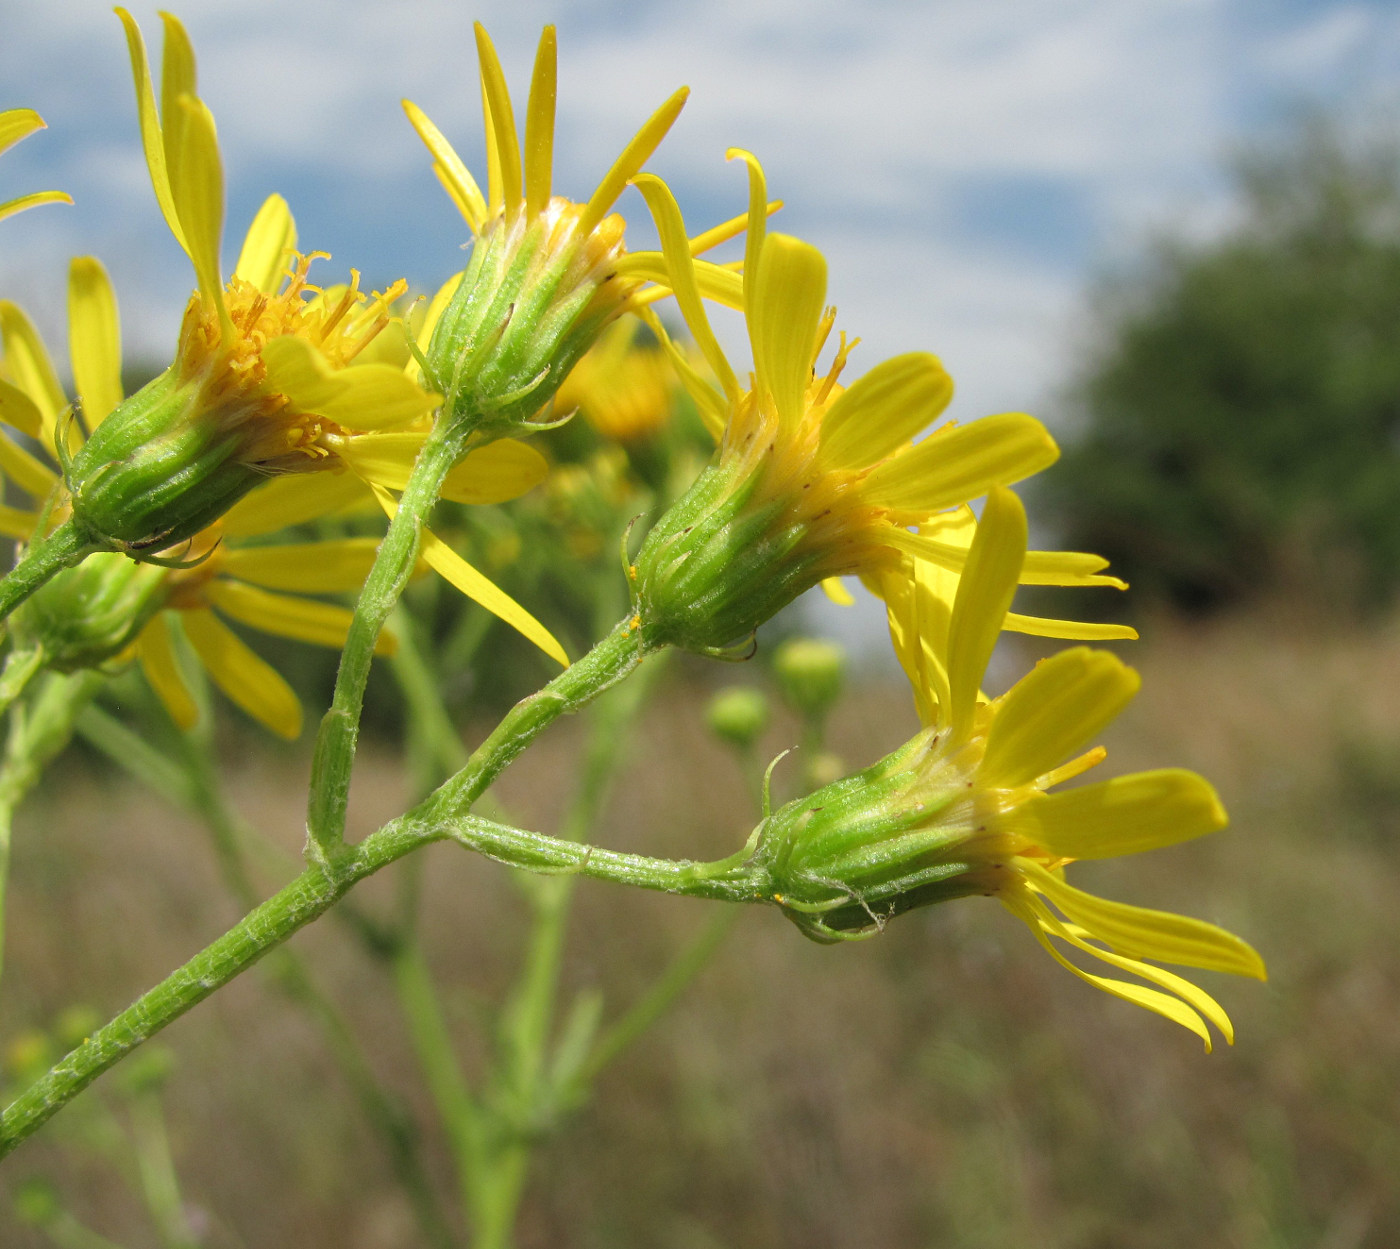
(1241, 418)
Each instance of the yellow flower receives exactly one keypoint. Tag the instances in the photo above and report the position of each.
(546, 274)
(964, 808)
(96, 611)
(812, 479)
(273, 376)
(16, 124)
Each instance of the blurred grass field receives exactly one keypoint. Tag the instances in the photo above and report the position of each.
(942, 1085)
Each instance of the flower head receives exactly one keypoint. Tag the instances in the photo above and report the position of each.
(16, 124)
(546, 273)
(812, 479)
(110, 604)
(965, 807)
(272, 374)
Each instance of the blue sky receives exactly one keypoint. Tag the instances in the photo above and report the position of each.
(967, 165)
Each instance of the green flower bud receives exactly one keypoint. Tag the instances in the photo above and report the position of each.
(534, 298)
(720, 562)
(738, 714)
(899, 835)
(160, 468)
(36, 1203)
(88, 614)
(810, 672)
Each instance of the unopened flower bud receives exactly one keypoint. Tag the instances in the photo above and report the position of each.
(89, 614)
(810, 672)
(738, 714)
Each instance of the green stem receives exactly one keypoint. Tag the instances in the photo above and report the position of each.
(21, 666)
(65, 546)
(306, 898)
(612, 659)
(196, 787)
(160, 1183)
(340, 728)
(317, 889)
(38, 732)
(661, 996)
(459, 1111)
(536, 852)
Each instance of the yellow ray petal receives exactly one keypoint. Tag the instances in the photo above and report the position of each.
(17, 124)
(730, 229)
(151, 138)
(710, 403)
(94, 339)
(833, 588)
(629, 163)
(177, 78)
(158, 662)
(448, 166)
(789, 293)
(495, 473)
(716, 283)
(197, 187)
(335, 566)
(268, 246)
(1054, 711)
(10, 207)
(19, 410)
(287, 615)
(955, 464)
(243, 676)
(1126, 815)
(1192, 994)
(31, 476)
(502, 121)
(454, 569)
(919, 610)
(539, 124)
(1150, 999)
(27, 362)
(1067, 568)
(681, 276)
(17, 523)
(984, 595)
(362, 396)
(757, 223)
(293, 500)
(1142, 933)
(1068, 630)
(884, 410)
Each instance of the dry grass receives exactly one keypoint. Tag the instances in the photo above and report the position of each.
(943, 1085)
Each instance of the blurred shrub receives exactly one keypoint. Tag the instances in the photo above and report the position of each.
(1239, 420)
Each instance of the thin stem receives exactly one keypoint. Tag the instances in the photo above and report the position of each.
(195, 786)
(661, 996)
(317, 889)
(21, 666)
(340, 728)
(611, 660)
(306, 898)
(536, 852)
(160, 1182)
(458, 1109)
(65, 546)
(38, 732)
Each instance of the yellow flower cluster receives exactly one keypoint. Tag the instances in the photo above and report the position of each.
(288, 401)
